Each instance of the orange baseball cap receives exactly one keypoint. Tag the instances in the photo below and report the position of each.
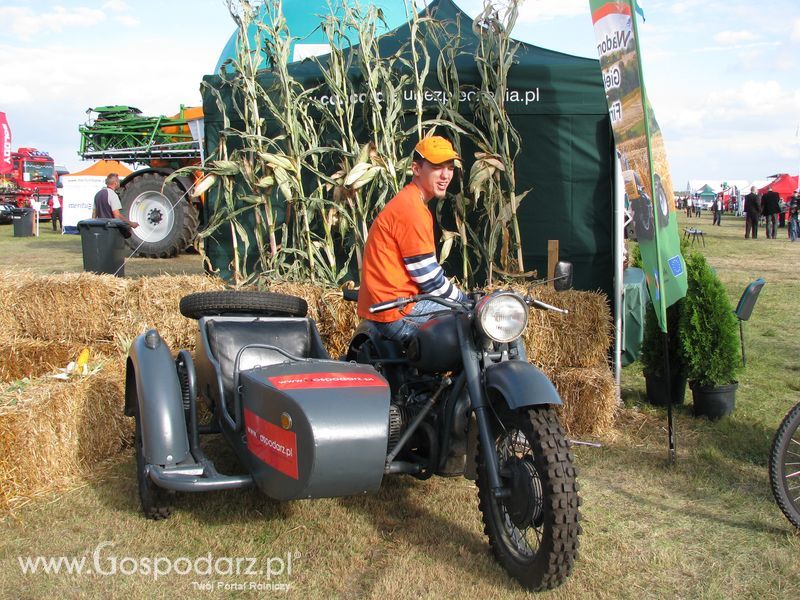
(436, 150)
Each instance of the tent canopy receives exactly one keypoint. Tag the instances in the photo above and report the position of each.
(303, 20)
(557, 104)
(784, 184)
(102, 168)
(707, 192)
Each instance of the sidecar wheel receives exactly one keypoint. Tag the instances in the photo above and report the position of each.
(534, 532)
(206, 304)
(156, 502)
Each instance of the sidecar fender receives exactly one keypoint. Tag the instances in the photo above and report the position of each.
(152, 388)
(521, 384)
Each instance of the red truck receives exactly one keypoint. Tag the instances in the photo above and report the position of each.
(32, 179)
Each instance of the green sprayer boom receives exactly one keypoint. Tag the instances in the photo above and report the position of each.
(122, 133)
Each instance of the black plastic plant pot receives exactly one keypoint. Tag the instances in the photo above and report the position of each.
(657, 389)
(714, 402)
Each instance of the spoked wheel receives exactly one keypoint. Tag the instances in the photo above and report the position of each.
(784, 466)
(156, 502)
(534, 532)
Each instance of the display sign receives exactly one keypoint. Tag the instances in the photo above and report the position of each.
(78, 197)
(640, 145)
(5, 144)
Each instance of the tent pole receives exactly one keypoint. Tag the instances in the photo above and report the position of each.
(619, 253)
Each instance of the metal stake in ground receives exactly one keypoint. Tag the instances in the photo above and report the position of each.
(673, 458)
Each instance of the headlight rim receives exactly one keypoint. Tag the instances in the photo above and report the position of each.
(481, 309)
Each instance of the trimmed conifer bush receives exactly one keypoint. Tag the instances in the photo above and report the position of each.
(708, 328)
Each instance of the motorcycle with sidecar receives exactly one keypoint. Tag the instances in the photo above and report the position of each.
(458, 398)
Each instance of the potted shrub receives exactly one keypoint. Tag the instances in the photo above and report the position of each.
(709, 341)
(652, 357)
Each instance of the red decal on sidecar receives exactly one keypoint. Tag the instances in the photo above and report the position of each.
(326, 380)
(271, 444)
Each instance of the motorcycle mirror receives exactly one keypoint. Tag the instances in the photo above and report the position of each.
(563, 276)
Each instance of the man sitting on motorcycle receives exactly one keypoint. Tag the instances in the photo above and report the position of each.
(400, 254)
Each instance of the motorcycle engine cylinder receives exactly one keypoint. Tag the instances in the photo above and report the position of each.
(397, 423)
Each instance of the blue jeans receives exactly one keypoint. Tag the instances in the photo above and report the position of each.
(404, 328)
(794, 228)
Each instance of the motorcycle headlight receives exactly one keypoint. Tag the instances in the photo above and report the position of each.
(502, 317)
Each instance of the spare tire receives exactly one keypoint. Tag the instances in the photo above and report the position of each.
(208, 304)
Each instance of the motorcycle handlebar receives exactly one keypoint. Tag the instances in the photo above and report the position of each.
(396, 303)
(545, 306)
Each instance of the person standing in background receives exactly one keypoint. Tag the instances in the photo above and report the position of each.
(771, 208)
(794, 216)
(107, 204)
(752, 212)
(55, 205)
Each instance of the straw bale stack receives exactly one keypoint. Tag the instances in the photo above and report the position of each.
(8, 325)
(590, 399)
(69, 307)
(152, 303)
(52, 433)
(25, 357)
(581, 338)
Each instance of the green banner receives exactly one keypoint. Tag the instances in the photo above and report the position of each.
(640, 145)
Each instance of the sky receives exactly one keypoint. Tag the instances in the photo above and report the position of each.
(723, 77)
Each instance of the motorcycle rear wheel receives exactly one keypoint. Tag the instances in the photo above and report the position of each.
(784, 466)
(533, 533)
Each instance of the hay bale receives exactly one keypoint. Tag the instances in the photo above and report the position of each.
(338, 321)
(580, 339)
(70, 307)
(152, 303)
(9, 328)
(52, 433)
(24, 357)
(590, 399)
(335, 317)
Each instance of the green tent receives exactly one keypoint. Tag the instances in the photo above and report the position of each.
(557, 103)
(707, 194)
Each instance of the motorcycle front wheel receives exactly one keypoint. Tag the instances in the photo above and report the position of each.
(534, 532)
(784, 466)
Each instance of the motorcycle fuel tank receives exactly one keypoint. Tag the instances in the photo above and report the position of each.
(435, 348)
(315, 429)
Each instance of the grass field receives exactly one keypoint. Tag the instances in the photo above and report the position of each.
(705, 528)
(52, 252)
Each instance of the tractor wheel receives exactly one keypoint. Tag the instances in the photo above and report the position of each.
(204, 304)
(662, 203)
(167, 221)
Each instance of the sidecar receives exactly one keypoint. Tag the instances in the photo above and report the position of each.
(301, 424)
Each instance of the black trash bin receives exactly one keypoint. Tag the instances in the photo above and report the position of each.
(23, 221)
(103, 245)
